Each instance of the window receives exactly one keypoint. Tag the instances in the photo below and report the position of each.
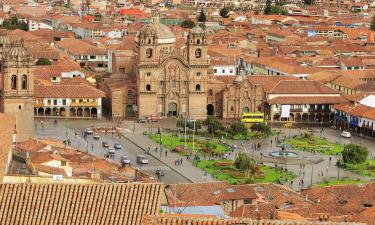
(198, 87)
(247, 201)
(232, 108)
(173, 84)
(13, 81)
(230, 70)
(186, 83)
(148, 74)
(210, 92)
(80, 100)
(223, 70)
(198, 41)
(130, 93)
(148, 87)
(55, 102)
(148, 53)
(24, 82)
(19, 107)
(48, 102)
(122, 70)
(64, 102)
(63, 163)
(198, 74)
(215, 70)
(92, 57)
(148, 41)
(198, 53)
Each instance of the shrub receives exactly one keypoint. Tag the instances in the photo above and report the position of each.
(237, 128)
(354, 154)
(261, 127)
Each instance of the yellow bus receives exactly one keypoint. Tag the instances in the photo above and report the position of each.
(253, 117)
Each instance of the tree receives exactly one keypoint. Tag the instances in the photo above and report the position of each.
(261, 127)
(237, 128)
(202, 17)
(13, 23)
(188, 24)
(43, 61)
(189, 124)
(308, 2)
(268, 7)
(224, 12)
(354, 154)
(372, 26)
(212, 124)
(246, 164)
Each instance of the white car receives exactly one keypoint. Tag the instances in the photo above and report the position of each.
(96, 136)
(125, 160)
(89, 131)
(346, 134)
(141, 159)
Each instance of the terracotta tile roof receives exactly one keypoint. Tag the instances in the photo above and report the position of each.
(306, 100)
(301, 87)
(78, 204)
(186, 220)
(78, 47)
(67, 91)
(191, 194)
(260, 211)
(343, 199)
(350, 62)
(30, 146)
(7, 127)
(268, 82)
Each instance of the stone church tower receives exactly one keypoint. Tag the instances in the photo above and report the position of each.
(170, 81)
(17, 86)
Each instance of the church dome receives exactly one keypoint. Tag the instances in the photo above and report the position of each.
(197, 30)
(238, 79)
(162, 32)
(17, 51)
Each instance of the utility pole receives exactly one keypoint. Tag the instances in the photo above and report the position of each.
(161, 142)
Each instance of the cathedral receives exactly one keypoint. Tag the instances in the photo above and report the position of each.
(17, 86)
(170, 81)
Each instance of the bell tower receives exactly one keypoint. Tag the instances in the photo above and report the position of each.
(197, 47)
(17, 89)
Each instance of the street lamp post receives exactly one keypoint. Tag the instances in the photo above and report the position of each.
(185, 133)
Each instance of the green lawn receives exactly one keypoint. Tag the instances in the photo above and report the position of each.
(364, 169)
(338, 182)
(234, 176)
(302, 143)
(254, 135)
(171, 141)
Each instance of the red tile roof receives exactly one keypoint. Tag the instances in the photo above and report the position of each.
(7, 127)
(307, 100)
(67, 91)
(301, 87)
(109, 204)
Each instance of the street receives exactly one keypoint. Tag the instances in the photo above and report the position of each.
(94, 147)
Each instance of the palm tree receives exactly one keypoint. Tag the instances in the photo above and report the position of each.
(246, 164)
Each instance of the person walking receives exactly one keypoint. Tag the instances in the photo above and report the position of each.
(166, 153)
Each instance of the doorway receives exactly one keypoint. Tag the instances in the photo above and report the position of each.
(172, 109)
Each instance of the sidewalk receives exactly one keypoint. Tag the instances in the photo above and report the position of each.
(187, 170)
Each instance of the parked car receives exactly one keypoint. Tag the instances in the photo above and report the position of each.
(88, 131)
(346, 134)
(111, 151)
(159, 172)
(105, 144)
(125, 160)
(117, 146)
(142, 120)
(141, 159)
(96, 136)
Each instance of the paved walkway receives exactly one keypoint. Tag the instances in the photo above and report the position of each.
(190, 172)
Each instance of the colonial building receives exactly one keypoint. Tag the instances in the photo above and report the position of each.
(170, 81)
(17, 86)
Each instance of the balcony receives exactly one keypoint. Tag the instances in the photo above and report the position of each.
(83, 104)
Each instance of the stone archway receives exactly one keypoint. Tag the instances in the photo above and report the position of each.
(291, 117)
(47, 112)
(298, 117)
(172, 109)
(94, 112)
(305, 118)
(62, 112)
(80, 112)
(73, 112)
(40, 112)
(245, 109)
(210, 110)
(86, 112)
(55, 111)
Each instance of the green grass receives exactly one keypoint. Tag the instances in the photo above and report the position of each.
(269, 174)
(301, 143)
(171, 141)
(366, 169)
(337, 182)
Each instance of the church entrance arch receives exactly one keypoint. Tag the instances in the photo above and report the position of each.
(245, 109)
(129, 112)
(210, 110)
(172, 109)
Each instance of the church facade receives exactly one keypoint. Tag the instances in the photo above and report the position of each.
(17, 86)
(171, 81)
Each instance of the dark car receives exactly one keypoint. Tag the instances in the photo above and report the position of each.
(142, 120)
(125, 160)
(117, 146)
(159, 172)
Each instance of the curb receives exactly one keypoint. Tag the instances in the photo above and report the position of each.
(170, 167)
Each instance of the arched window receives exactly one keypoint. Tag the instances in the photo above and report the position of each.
(198, 74)
(130, 93)
(148, 87)
(173, 84)
(198, 87)
(13, 81)
(210, 92)
(148, 53)
(24, 82)
(198, 53)
(198, 41)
